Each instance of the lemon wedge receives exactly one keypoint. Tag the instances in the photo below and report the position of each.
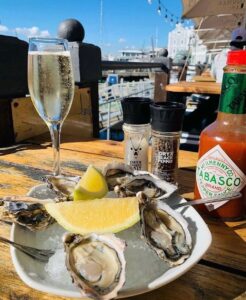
(99, 215)
(91, 186)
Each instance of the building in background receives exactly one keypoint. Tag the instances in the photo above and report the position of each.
(183, 40)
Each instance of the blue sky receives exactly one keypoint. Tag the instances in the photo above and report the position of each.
(125, 23)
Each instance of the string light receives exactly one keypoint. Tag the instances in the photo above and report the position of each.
(169, 16)
(159, 8)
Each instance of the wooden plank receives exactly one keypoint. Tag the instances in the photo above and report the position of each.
(21, 170)
(78, 123)
(194, 87)
(203, 78)
(238, 228)
(18, 175)
(217, 280)
(228, 247)
(201, 282)
(161, 79)
(26, 121)
(112, 149)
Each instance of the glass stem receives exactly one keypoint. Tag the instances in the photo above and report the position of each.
(55, 132)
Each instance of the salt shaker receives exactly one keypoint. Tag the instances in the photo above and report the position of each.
(166, 125)
(136, 116)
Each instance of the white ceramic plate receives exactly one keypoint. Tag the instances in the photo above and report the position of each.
(145, 271)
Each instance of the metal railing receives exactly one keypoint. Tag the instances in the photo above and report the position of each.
(113, 113)
(125, 65)
(113, 94)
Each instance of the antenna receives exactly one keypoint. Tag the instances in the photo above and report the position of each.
(152, 44)
(156, 37)
(101, 24)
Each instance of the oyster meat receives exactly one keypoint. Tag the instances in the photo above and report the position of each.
(96, 264)
(117, 173)
(26, 211)
(63, 186)
(150, 185)
(166, 231)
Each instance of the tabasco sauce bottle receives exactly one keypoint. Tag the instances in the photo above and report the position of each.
(221, 167)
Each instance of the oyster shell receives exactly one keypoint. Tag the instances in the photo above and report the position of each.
(117, 173)
(166, 231)
(150, 185)
(26, 211)
(96, 264)
(63, 186)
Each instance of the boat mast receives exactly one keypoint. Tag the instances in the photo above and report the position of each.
(101, 24)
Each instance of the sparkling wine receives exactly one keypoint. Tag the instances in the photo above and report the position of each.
(50, 82)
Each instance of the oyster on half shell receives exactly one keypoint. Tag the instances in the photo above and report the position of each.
(126, 182)
(26, 211)
(117, 173)
(150, 185)
(62, 185)
(96, 264)
(166, 231)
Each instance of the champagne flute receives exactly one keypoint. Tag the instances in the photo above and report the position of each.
(51, 86)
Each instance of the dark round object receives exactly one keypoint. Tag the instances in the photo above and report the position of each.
(164, 52)
(136, 110)
(71, 30)
(167, 116)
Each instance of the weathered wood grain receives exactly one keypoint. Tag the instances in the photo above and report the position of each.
(218, 276)
(228, 247)
(110, 149)
(200, 283)
(194, 87)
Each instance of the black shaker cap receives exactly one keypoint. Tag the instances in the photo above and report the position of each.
(136, 110)
(167, 116)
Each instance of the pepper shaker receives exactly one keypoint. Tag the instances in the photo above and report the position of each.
(166, 125)
(136, 116)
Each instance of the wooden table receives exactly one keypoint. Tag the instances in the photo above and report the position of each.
(178, 91)
(221, 274)
(199, 87)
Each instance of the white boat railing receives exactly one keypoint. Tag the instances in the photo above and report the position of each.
(110, 111)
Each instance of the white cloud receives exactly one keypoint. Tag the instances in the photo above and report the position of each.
(32, 31)
(3, 28)
(24, 31)
(108, 45)
(44, 33)
(121, 40)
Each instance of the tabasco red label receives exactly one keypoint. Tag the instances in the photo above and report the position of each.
(217, 175)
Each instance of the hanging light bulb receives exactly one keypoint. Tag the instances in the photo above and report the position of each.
(171, 20)
(159, 7)
(166, 18)
(149, 1)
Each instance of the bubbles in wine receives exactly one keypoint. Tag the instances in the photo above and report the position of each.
(50, 81)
